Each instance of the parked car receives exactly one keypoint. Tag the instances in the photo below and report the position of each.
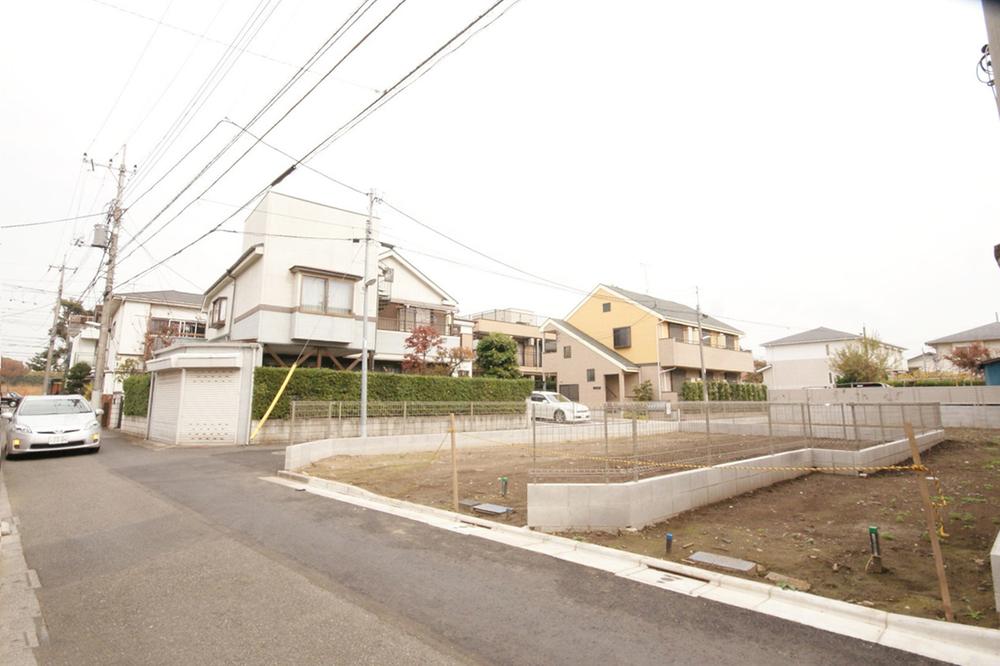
(556, 406)
(52, 423)
(863, 385)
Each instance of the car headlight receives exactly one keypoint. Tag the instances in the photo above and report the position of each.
(22, 428)
(93, 424)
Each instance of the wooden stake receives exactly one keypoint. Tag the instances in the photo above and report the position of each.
(930, 514)
(454, 468)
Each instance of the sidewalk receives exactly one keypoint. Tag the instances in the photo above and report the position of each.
(20, 616)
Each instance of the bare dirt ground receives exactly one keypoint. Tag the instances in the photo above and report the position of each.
(426, 477)
(804, 527)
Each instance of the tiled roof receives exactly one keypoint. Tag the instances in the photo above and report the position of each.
(575, 332)
(675, 311)
(821, 334)
(990, 331)
(170, 296)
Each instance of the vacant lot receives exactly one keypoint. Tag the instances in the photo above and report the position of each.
(426, 477)
(816, 529)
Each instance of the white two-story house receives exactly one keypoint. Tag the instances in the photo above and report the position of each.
(144, 321)
(297, 290)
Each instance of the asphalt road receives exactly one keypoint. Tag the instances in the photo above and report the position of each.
(178, 556)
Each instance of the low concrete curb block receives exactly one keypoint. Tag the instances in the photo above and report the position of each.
(955, 643)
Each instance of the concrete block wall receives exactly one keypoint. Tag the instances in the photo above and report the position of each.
(283, 431)
(134, 426)
(557, 507)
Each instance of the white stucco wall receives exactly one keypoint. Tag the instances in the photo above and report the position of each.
(808, 364)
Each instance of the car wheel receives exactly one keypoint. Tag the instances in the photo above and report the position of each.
(559, 417)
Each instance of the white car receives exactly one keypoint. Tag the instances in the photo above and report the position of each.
(556, 406)
(52, 423)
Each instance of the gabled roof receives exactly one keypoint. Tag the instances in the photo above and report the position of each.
(821, 334)
(593, 344)
(445, 296)
(168, 296)
(921, 356)
(990, 331)
(669, 310)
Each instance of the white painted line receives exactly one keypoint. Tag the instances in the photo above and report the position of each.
(958, 644)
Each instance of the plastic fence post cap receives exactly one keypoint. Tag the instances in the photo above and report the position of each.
(873, 529)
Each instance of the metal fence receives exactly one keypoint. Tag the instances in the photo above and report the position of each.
(310, 420)
(632, 441)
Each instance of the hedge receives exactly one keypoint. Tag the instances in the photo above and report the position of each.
(136, 401)
(725, 391)
(936, 381)
(331, 385)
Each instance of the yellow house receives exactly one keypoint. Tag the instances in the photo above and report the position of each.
(615, 339)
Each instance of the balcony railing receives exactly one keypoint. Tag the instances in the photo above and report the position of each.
(407, 324)
(507, 317)
(529, 358)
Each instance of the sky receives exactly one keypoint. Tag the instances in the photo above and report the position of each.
(802, 164)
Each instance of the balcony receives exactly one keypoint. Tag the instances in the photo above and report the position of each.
(529, 358)
(400, 324)
(674, 353)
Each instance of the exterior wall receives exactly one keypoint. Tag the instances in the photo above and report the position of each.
(407, 287)
(592, 320)
(134, 426)
(993, 346)
(222, 332)
(808, 364)
(573, 370)
(84, 348)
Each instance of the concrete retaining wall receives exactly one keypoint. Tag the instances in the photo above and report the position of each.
(970, 416)
(134, 426)
(965, 395)
(995, 566)
(298, 456)
(307, 430)
(558, 507)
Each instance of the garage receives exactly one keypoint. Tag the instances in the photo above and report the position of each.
(201, 393)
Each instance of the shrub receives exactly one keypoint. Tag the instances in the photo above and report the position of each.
(643, 392)
(331, 385)
(76, 377)
(723, 391)
(136, 400)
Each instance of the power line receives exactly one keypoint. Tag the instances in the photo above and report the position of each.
(43, 222)
(349, 23)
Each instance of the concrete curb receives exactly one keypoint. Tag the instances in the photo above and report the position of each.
(21, 624)
(954, 643)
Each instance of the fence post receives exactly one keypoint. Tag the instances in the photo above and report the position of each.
(843, 419)
(605, 443)
(534, 434)
(770, 427)
(802, 416)
(635, 445)
(472, 409)
(329, 420)
(404, 416)
(854, 420)
(881, 421)
(809, 418)
(291, 426)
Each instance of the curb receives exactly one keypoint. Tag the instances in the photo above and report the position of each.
(950, 642)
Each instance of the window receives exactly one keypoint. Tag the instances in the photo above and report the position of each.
(590, 374)
(218, 315)
(326, 295)
(622, 336)
(605, 307)
(828, 350)
(721, 341)
(537, 398)
(571, 391)
(551, 346)
(567, 352)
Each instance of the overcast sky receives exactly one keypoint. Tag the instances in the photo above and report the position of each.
(806, 164)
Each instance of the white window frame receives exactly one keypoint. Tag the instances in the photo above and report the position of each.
(326, 309)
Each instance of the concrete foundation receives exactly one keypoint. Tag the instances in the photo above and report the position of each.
(557, 507)
(287, 431)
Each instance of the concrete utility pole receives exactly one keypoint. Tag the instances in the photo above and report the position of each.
(991, 12)
(704, 373)
(367, 282)
(100, 357)
(46, 380)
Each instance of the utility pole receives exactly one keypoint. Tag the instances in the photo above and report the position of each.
(368, 282)
(47, 379)
(701, 355)
(97, 393)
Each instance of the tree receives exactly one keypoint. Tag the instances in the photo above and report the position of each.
(424, 343)
(969, 357)
(496, 356)
(11, 368)
(865, 360)
(755, 377)
(643, 392)
(69, 308)
(76, 377)
(37, 362)
(450, 361)
(125, 369)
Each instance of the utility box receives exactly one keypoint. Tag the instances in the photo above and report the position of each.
(100, 236)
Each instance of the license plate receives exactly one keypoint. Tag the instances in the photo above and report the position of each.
(58, 439)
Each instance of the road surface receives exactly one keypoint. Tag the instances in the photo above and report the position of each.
(170, 556)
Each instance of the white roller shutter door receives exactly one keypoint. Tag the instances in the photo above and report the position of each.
(164, 407)
(211, 404)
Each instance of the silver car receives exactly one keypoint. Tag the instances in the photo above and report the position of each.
(556, 406)
(52, 423)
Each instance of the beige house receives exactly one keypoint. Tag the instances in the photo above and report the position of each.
(628, 338)
(988, 335)
(521, 325)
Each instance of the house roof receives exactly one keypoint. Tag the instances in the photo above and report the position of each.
(445, 296)
(596, 346)
(989, 361)
(821, 334)
(920, 356)
(253, 252)
(674, 311)
(990, 331)
(168, 296)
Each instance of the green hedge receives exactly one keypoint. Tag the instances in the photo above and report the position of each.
(325, 384)
(136, 401)
(725, 391)
(936, 381)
